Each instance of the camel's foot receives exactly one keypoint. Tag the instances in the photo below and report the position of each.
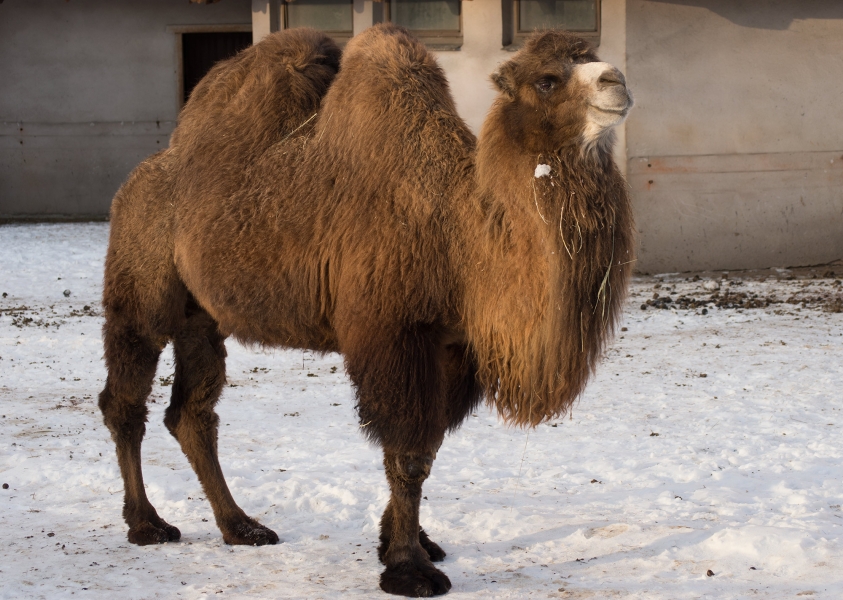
(408, 579)
(249, 533)
(433, 550)
(147, 532)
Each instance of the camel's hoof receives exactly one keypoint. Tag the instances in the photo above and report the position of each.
(145, 533)
(250, 533)
(406, 579)
(433, 550)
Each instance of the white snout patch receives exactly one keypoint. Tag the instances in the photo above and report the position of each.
(589, 73)
(608, 105)
(542, 171)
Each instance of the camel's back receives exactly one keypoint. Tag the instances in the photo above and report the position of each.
(284, 217)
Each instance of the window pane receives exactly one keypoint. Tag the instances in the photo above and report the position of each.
(327, 15)
(577, 15)
(426, 15)
(200, 51)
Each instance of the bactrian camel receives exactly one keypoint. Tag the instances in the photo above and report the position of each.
(345, 207)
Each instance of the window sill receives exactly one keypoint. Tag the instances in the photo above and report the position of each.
(209, 28)
(518, 42)
(341, 39)
(440, 42)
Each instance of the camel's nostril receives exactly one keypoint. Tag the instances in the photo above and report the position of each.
(610, 78)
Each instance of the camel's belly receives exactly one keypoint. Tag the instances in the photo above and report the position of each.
(255, 298)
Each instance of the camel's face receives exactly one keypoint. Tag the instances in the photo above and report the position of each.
(559, 93)
(608, 98)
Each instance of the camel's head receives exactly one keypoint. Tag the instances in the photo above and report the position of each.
(556, 93)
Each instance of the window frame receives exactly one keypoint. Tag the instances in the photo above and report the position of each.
(515, 38)
(340, 37)
(435, 39)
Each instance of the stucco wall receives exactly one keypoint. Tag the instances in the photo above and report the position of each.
(89, 88)
(736, 142)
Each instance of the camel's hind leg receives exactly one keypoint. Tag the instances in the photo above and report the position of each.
(131, 358)
(200, 374)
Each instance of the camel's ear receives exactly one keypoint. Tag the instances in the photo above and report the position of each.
(504, 78)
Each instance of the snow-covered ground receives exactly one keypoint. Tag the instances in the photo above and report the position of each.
(706, 443)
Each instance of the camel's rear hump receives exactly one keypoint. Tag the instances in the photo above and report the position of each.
(249, 102)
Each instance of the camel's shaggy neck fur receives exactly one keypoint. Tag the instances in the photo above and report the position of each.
(550, 270)
(553, 245)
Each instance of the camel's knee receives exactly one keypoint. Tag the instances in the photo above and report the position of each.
(129, 355)
(415, 468)
(198, 386)
(172, 418)
(125, 419)
(185, 422)
(131, 360)
(409, 468)
(196, 389)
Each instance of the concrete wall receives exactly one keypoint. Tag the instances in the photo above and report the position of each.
(89, 88)
(736, 142)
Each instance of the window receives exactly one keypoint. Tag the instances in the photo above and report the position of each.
(200, 51)
(437, 23)
(199, 47)
(334, 17)
(579, 16)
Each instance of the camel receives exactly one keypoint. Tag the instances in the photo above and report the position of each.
(345, 207)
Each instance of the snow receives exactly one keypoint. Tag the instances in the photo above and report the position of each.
(706, 442)
(542, 171)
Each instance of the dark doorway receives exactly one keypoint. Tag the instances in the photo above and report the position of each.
(201, 50)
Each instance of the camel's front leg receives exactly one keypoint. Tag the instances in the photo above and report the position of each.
(411, 388)
(409, 570)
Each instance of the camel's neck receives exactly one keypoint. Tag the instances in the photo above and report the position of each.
(551, 260)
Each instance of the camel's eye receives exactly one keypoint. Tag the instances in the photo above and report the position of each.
(545, 84)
